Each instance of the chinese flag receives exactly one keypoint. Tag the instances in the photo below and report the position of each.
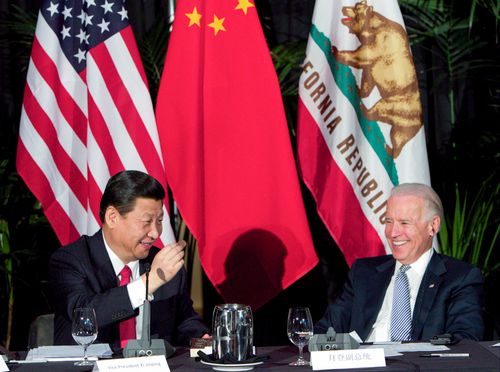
(227, 152)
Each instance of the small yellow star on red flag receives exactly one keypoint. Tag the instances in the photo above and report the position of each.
(217, 24)
(244, 5)
(194, 17)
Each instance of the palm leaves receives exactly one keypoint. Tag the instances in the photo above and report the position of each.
(492, 7)
(153, 48)
(457, 53)
(287, 59)
(17, 29)
(452, 41)
(464, 234)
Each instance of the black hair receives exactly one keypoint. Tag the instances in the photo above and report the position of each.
(125, 187)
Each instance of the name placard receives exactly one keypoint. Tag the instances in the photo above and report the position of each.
(338, 359)
(155, 363)
(3, 366)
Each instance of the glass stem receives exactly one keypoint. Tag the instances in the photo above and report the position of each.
(301, 355)
(85, 352)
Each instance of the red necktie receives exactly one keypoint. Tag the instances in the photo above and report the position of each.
(127, 327)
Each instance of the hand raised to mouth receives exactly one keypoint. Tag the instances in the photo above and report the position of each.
(166, 265)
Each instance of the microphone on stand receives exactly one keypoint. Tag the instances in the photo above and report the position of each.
(146, 310)
(147, 346)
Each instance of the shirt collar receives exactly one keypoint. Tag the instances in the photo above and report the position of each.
(420, 265)
(117, 262)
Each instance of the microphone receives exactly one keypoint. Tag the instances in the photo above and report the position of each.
(332, 340)
(147, 346)
(146, 313)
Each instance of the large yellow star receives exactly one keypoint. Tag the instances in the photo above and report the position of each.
(244, 5)
(194, 17)
(217, 24)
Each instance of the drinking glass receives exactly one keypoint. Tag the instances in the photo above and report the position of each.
(300, 330)
(84, 331)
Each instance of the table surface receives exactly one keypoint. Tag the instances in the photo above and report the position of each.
(482, 357)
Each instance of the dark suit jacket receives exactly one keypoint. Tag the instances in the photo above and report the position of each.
(82, 275)
(449, 299)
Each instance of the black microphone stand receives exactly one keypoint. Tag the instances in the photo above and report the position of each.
(147, 346)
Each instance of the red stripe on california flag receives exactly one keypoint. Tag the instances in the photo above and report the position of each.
(339, 208)
(66, 103)
(63, 162)
(123, 102)
(40, 187)
(129, 39)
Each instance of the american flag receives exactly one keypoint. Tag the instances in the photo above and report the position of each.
(87, 113)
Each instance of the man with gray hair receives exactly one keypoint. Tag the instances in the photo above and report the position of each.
(415, 293)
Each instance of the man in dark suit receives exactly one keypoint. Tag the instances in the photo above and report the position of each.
(443, 295)
(88, 272)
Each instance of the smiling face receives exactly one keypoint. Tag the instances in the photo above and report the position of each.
(409, 228)
(131, 235)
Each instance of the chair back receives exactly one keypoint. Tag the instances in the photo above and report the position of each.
(41, 331)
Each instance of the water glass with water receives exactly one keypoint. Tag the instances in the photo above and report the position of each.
(84, 331)
(300, 330)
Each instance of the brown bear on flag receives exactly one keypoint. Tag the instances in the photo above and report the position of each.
(384, 57)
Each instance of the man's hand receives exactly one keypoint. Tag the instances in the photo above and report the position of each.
(166, 264)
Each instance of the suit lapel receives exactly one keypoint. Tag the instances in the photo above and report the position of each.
(103, 268)
(375, 293)
(427, 293)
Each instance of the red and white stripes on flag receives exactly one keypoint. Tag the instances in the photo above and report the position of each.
(86, 115)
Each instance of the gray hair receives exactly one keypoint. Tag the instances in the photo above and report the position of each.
(433, 205)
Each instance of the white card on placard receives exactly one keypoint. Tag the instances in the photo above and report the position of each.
(3, 366)
(338, 359)
(155, 363)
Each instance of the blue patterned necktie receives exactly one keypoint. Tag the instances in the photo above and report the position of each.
(401, 309)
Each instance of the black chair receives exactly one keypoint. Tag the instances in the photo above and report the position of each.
(41, 331)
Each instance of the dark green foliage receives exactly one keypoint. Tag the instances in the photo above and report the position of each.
(153, 48)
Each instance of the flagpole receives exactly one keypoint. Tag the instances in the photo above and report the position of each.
(171, 11)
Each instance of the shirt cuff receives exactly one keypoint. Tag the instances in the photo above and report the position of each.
(136, 292)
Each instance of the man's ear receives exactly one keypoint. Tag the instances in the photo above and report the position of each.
(435, 225)
(111, 216)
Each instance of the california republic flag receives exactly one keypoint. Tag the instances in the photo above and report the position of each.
(360, 126)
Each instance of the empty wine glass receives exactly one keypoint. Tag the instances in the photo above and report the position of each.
(300, 330)
(84, 331)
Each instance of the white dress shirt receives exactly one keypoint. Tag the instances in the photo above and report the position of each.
(136, 288)
(381, 330)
